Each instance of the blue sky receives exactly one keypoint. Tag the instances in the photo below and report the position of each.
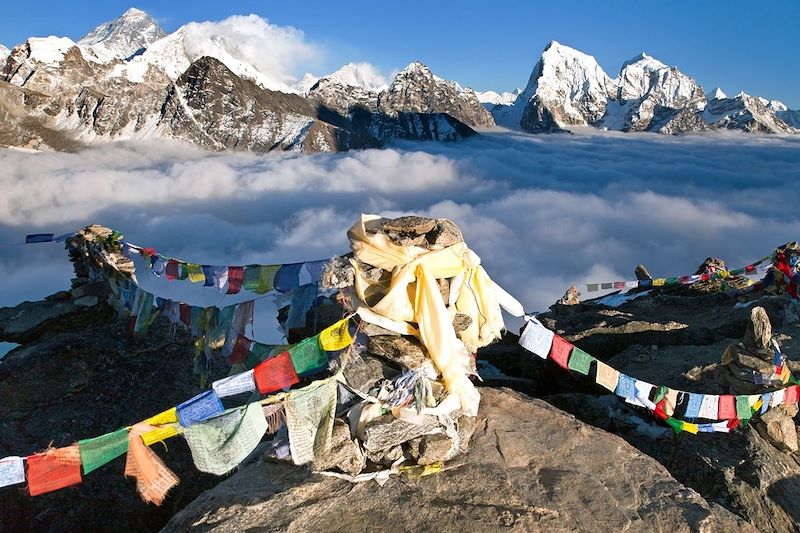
(737, 45)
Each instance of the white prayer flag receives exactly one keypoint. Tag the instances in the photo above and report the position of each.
(537, 339)
(12, 471)
(236, 384)
(778, 397)
(709, 407)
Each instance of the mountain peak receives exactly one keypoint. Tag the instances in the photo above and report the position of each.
(716, 94)
(415, 66)
(363, 75)
(125, 36)
(644, 61)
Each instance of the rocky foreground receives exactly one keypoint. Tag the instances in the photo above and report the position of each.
(574, 459)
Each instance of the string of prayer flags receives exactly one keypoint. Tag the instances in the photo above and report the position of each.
(235, 384)
(203, 406)
(100, 450)
(677, 280)
(309, 418)
(336, 337)
(12, 471)
(53, 470)
(724, 412)
(275, 374)
(153, 479)
(219, 444)
(307, 355)
(303, 298)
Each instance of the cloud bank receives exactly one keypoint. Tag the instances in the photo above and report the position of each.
(542, 211)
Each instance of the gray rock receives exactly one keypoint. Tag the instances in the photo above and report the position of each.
(405, 351)
(531, 468)
(345, 453)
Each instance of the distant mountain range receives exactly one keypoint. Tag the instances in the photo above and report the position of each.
(128, 79)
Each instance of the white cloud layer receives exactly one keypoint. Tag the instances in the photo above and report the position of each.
(542, 211)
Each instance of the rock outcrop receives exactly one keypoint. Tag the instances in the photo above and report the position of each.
(530, 468)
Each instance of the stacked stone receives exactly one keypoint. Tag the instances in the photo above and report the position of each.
(385, 355)
(754, 355)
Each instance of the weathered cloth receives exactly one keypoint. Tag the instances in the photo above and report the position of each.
(153, 478)
(12, 471)
(219, 444)
(53, 470)
(412, 296)
(309, 417)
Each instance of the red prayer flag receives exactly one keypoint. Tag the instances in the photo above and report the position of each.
(659, 411)
(733, 422)
(727, 407)
(46, 473)
(619, 284)
(276, 373)
(186, 315)
(235, 278)
(791, 394)
(560, 350)
(241, 350)
(171, 270)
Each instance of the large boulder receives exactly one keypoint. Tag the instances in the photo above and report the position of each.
(530, 467)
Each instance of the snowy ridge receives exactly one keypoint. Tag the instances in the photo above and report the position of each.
(127, 35)
(362, 75)
(495, 98)
(4, 52)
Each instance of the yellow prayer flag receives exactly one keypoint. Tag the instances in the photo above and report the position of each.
(336, 337)
(195, 273)
(671, 401)
(758, 404)
(658, 282)
(607, 376)
(170, 416)
(785, 373)
(159, 434)
(691, 428)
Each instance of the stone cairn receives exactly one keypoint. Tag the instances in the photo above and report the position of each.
(380, 364)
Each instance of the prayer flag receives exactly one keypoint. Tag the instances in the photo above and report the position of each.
(592, 287)
(559, 352)
(606, 286)
(619, 284)
(260, 278)
(537, 339)
(210, 276)
(235, 384)
(195, 273)
(676, 425)
(690, 428)
(159, 265)
(172, 270)
(727, 407)
(219, 444)
(791, 394)
(235, 279)
(38, 237)
(303, 298)
(644, 391)
(241, 349)
(743, 411)
(336, 337)
(766, 398)
(186, 314)
(693, 408)
(170, 416)
(153, 478)
(626, 388)
(12, 471)
(709, 407)
(100, 450)
(47, 472)
(203, 406)
(159, 434)
(659, 282)
(777, 398)
(309, 418)
(580, 361)
(307, 355)
(288, 277)
(606, 376)
(275, 374)
(315, 269)
(670, 401)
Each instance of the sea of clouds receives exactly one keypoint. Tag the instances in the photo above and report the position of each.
(543, 212)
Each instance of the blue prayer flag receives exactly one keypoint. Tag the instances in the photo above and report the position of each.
(38, 237)
(287, 277)
(201, 407)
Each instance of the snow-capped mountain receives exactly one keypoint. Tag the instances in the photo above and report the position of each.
(3, 53)
(716, 94)
(201, 86)
(122, 38)
(568, 88)
(492, 98)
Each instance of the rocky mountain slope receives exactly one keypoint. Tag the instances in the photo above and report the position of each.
(126, 80)
(569, 89)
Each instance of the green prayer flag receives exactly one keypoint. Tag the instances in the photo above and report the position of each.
(183, 271)
(307, 355)
(258, 353)
(100, 450)
(675, 424)
(671, 281)
(580, 361)
(660, 393)
(592, 287)
(606, 286)
(259, 278)
(743, 411)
